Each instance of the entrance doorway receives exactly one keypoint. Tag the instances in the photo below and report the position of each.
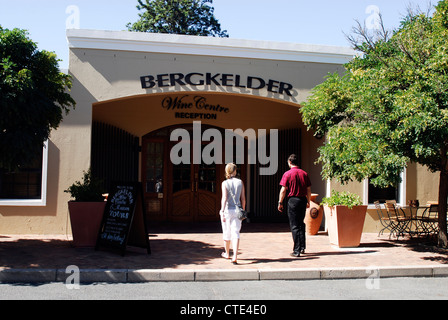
(195, 193)
(179, 192)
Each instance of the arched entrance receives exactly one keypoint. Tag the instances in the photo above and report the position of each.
(180, 191)
(191, 191)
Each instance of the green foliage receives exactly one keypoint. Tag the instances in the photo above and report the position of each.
(33, 98)
(190, 17)
(342, 199)
(89, 190)
(389, 108)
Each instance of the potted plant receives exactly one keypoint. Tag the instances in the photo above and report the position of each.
(345, 216)
(313, 216)
(86, 210)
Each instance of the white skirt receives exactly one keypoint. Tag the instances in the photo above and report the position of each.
(232, 226)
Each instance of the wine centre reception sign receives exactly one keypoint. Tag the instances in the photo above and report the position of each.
(193, 107)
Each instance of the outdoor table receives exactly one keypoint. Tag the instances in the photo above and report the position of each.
(414, 217)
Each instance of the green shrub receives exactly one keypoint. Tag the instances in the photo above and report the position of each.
(89, 190)
(342, 199)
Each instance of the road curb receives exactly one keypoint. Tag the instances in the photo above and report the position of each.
(27, 275)
(72, 274)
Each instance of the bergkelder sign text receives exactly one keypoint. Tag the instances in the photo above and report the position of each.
(218, 79)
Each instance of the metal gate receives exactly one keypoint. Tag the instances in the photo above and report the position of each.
(266, 188)
(114, 154)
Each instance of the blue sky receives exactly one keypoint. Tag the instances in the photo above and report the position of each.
(299, 21)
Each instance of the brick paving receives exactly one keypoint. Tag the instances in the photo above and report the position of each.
(199, 246)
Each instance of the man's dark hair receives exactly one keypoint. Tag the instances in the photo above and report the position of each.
(293, 159)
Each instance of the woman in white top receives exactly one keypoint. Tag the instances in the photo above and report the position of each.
(231, 225)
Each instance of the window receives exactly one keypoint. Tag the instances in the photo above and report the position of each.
(27, 187)
(372, 193)
(154, 167)
(382, 194)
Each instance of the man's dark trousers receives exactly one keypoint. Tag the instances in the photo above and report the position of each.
(296, 215)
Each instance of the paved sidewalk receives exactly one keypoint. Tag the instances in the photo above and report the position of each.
(191, 252)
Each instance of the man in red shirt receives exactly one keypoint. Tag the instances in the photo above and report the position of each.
(296, 185)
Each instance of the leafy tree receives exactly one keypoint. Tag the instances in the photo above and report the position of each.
(389, 108)
(33, 98)
(190, 17)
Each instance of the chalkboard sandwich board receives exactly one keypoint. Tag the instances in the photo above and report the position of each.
(123, 221)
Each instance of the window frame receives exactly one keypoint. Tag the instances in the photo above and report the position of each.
(33, 202)
(401, 192)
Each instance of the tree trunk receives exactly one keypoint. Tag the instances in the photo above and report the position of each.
(443, 195)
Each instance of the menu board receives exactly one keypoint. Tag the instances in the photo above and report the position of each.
(123, 220)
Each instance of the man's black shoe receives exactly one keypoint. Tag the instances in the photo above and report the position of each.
(295, 254)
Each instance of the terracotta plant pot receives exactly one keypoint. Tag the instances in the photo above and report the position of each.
(345, 225)
(85, 219)
(313, 216)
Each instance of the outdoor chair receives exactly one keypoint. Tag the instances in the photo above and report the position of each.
(389, 223)
(401, 219)
(430, 218)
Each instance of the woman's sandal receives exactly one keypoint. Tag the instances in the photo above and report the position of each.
(224, 255)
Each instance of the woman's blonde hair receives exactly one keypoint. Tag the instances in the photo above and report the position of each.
(230, 170)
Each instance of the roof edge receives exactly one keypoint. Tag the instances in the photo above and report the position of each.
(208, 46)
